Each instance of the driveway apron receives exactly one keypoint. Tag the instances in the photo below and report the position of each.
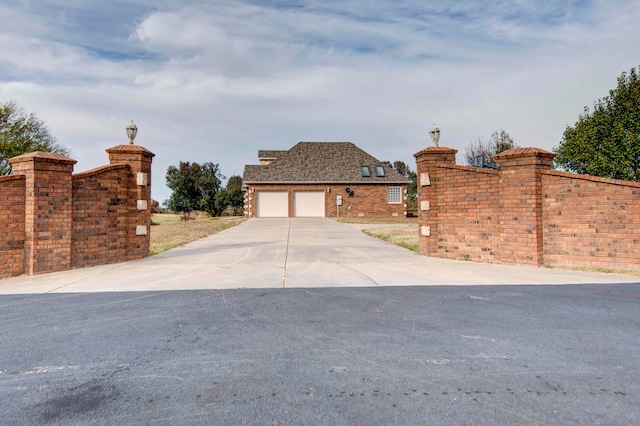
(287, 253)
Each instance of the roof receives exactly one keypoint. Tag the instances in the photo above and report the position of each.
(270, 154)
(320, 162)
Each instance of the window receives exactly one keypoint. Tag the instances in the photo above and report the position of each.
(380, 171)
(394, 195)
(366, 171)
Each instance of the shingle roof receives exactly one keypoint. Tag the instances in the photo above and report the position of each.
(270, 154)
(320, 162)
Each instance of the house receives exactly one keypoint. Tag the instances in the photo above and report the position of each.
(323, 179)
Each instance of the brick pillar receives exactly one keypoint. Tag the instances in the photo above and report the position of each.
(48, 211)
(427, 162)
(139, 218)
(521, 204)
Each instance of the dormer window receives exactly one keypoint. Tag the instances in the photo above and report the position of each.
(366, 171)
(380, 171)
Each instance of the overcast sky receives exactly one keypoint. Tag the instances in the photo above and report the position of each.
(218, 80)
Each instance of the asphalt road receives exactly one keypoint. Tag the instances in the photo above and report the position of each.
(387, 355)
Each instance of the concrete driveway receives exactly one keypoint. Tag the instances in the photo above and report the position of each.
(287, 253)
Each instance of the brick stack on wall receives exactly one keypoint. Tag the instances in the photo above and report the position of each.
(525, 212)
(53, 220)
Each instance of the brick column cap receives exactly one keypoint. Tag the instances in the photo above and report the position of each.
(130, 149)
(524, 152)
(435, 150)
(50, 157)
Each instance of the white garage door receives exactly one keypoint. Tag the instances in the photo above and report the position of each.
(273, 204)
(308, 204)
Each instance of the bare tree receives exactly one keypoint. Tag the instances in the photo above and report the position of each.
(497, 143)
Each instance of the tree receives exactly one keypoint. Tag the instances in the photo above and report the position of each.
(497, 143)
(234, 181)
(194, 187)
(412, 188)
(606, 141)
(231, 197)
(21, 133)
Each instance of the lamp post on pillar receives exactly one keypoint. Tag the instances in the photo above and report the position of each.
(132, 131)
(434, 133)
(428, 162)
(139, 214)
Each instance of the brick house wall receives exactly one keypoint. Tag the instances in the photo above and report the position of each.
(58, 221)
(12, 209)
(369, 200)
(525, 213)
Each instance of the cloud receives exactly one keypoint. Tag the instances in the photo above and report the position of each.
(216, 81)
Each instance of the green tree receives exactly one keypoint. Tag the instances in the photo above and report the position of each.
(497, 143)
(606, 141)
(21, 133)
(194, 187)
(235, 181)
(412, 188)
(231, 196)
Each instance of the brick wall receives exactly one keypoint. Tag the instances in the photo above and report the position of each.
(12, 208)
(57, 221)
(367, 201)
(590, 221)
(525, 213)
(100, 218)
(470, 225)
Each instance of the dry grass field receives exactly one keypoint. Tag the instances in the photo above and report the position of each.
(403, 236)
(168, 231)
(406, 237)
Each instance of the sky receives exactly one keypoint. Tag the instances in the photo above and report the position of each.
(216, 81)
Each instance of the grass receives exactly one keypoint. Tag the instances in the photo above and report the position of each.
(163, 219)
(168, 231)
(594, 269)
(405, 236)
